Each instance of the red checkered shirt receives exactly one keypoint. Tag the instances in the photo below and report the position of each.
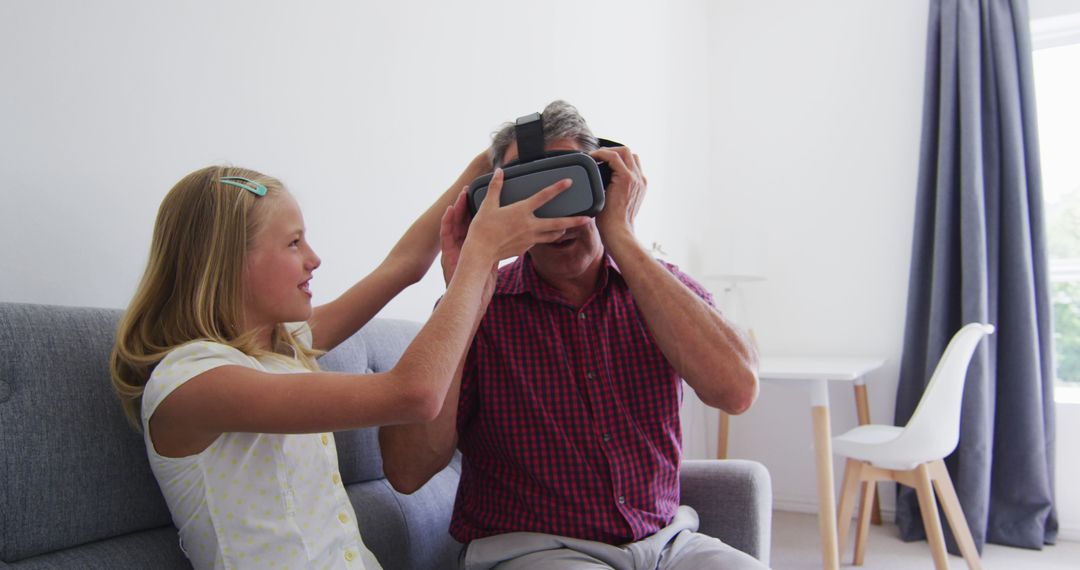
(568, 422)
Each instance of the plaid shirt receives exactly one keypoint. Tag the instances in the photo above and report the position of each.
(568, 421)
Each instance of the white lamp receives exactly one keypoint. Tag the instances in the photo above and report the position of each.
(733, 299)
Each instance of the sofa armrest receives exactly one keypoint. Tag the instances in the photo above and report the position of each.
(733, 499)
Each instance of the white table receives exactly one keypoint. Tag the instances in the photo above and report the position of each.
(814, 374)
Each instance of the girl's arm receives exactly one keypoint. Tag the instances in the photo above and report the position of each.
(413, 453)
(406, 264)
(238, 399)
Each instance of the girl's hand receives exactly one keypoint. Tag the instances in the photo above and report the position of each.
(506, 231)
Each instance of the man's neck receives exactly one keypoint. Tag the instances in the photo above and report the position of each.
(579, 288)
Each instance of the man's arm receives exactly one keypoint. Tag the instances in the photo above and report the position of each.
(414, 453)
(713, 356)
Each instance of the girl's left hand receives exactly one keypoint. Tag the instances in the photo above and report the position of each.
(501, 232)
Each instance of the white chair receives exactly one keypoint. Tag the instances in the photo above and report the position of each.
(912, 455)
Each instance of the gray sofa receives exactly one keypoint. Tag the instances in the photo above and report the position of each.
(77, 491)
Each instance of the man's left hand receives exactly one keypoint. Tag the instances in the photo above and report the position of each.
(624, 193)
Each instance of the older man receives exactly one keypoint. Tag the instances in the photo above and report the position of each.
(568, 415)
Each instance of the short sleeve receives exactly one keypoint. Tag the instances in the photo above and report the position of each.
(690, 283)
(467, 391)
(183, 364)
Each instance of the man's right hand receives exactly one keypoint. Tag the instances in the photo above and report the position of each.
(455, 226)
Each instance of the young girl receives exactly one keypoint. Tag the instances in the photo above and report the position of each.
(215, 360)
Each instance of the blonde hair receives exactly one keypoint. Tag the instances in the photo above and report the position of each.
(193, 285)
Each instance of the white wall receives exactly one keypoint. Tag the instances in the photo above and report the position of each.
(366, 110)
(774, 135)
(1039, 9)
(816, 114)
(780, 138)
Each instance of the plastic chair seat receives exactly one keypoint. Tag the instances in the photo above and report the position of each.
(878, 445)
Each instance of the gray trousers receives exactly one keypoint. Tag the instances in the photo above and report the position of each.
(674, 547)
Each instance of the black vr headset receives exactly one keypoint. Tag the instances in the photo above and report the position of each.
(536, 169)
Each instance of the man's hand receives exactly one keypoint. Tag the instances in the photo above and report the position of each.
(712, 356)
(455, 225)
(624, 194)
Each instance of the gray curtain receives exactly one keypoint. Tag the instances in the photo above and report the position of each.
(979, 254)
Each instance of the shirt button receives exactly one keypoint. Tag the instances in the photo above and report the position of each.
(590, 375)
(622, 500)
(607, 438)
(344, 518)
(336, 478)
(325, 439)
(581, 316)
(349, 555)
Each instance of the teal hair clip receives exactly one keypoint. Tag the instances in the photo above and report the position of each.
(245, 183)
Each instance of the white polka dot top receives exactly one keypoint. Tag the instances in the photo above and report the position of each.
(253, 500)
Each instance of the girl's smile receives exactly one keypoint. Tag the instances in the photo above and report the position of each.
(278, 272)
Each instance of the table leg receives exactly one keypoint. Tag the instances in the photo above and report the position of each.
(826, 495)
(862, 406)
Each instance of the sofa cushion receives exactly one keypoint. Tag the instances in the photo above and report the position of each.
(73, 470)
(157, 549)
(409, 531)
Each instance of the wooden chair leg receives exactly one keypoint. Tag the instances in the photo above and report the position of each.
(954, 514)
(862, 532)
(862, 408)
(852, 474)
(722, 436)
(925, 491)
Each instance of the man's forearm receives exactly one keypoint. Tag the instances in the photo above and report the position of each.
(712, 355)
(413, 453)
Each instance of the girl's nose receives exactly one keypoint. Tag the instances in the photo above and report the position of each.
(313, 261)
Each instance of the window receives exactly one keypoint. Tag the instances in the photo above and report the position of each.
(1057, 87)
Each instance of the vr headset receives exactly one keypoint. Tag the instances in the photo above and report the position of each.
(536, 169)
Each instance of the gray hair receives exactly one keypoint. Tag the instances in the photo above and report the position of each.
(561, 121)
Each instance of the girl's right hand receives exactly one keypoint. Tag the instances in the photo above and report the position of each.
(507, 231)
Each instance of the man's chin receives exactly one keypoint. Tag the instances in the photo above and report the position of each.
(561, 260)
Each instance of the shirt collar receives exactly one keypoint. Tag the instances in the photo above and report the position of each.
(521, 277)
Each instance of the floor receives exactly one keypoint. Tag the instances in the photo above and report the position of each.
(795, 546)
